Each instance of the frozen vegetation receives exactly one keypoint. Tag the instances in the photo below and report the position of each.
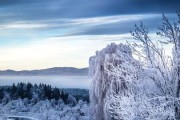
(43, 102)
(136, 81)
(145, 88)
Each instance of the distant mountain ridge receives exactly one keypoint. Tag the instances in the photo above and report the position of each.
(62, 71)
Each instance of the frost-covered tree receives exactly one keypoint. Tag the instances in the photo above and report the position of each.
(113, 70)
(59, 105)
(147, 88)
(171, 30)
(166, 70)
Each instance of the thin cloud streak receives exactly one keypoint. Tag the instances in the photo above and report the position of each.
(46, 33)
(81, 26)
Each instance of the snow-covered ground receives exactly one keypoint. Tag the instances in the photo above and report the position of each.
(15, 117)
(44, 110)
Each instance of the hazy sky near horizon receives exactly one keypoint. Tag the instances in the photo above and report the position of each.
(36, 34)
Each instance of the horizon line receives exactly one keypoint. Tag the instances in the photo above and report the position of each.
(43, 68)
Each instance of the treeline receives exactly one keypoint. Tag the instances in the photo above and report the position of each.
(34, 93)
(79, 94)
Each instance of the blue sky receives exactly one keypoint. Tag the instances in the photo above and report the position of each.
(36, 34)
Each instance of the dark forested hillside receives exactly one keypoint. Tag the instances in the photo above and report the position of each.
(43, 102)
(35, 93)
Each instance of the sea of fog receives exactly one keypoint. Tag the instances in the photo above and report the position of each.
(55, 81)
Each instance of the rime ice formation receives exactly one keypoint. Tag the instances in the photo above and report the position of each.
(124, 88)
(112, 70)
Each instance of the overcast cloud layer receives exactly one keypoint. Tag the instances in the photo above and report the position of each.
(24, 22)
